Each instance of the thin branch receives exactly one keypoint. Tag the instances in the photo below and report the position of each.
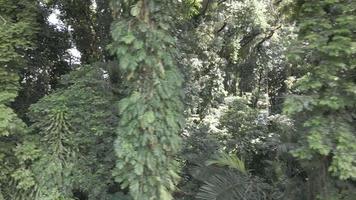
(246, 40)
(269, 36)
(222, 27)
(3, 19)
(204, 8)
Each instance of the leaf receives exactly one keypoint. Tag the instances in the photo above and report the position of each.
(123, 104)
(138, 169)
(128, 39)
(147, 119)
(135, 10)
(124, 62)
(232, 185)
(229, 160)
(164, 194)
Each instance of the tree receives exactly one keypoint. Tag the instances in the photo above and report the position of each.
(17, 29)
(69, 149)
(151, 113)
(265, 90)
(323, 97)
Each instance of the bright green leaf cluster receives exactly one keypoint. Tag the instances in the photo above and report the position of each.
(326, 93)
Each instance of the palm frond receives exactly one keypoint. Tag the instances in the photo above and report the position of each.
(233, 185)
(228, 160)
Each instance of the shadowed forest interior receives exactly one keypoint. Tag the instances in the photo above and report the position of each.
(183, 100)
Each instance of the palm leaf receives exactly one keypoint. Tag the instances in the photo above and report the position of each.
(233, 185)
(228, 160)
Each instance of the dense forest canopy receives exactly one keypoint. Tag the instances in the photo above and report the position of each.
(188, 99)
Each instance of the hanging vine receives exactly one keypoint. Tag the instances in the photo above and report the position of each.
(151, 115)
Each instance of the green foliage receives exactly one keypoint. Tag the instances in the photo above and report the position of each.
(232, 185)
(230, 161)
(151, 115)
(110, 129)
(322, 103)
(89, 23)
(237, 127)
(326, 50)
(191, 8)
(15, 37)
(9, 123)
(244, 124)
(233, 182)
(17, 28)
(58, 156)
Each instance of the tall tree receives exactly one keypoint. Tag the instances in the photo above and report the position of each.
(89, 23)
(45, 63)
(151, 114)
(323, 100)
(69, 152)
(17, 29)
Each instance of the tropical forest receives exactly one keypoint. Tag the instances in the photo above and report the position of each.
(177, 99)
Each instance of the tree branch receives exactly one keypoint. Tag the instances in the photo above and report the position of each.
(269, 36)
(3, 19)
